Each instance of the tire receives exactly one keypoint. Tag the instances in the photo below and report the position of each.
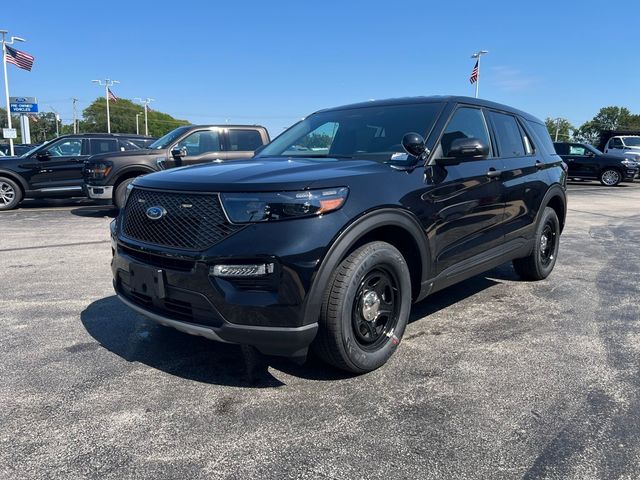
(540, 263)
(610, 177)
(120, 192)
(365, 309)
(10, 194)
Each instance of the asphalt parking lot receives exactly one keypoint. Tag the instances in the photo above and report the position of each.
(495, 378)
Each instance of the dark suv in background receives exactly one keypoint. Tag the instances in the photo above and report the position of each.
(329, 234)
(587, 162)
(54, 169)
(107, 176)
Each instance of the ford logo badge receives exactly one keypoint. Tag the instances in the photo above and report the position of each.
(156, 213)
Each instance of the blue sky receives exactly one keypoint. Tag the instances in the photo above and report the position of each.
(272, 62)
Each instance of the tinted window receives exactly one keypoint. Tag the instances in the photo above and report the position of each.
(543, 139)
(561, 148)
(244, 140)
(508, 135)
(65, 148)
(100, 145)
(201, 142)
(126, 145)
(374, 133)
(465, 123)
(615, 143)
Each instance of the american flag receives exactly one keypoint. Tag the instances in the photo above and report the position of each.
(111, 96)
(474, 74)
(19, 59)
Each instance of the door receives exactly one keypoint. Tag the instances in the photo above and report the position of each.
(524, 177)
(242, 142)
(201, 146)
(58, 168)
(581, 161)
(615, 147)
(465, 200)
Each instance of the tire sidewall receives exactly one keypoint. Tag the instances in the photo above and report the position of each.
(16, 199)
(548, 215)
(118, 197)
(393, 261)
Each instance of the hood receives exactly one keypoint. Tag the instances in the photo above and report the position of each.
(268, 174)
(127, 153)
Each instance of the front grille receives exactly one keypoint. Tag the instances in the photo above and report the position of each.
(193, 221)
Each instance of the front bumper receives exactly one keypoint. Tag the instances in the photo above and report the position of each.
(98, 192)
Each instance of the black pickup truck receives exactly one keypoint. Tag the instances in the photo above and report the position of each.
(107, 176)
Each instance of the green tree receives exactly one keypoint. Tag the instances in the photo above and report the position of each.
(123, 118)
(608, 118)
(559, 128)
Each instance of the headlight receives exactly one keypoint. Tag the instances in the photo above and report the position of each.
(262, 207)
(98, 170)
(629, 163)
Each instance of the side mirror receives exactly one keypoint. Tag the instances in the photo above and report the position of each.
(467, 149)
(413, 143)
(177, 152)
(43, 156)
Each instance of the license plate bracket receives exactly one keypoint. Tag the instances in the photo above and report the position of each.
(147, 281)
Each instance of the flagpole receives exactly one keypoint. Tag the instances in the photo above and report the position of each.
(107, 83)
(6, 85)
(477, 56)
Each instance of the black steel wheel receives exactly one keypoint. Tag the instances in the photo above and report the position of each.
(539, 264)
(365, 309)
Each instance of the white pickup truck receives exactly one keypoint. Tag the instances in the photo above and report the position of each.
(627, 146)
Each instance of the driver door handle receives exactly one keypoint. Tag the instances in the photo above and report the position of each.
(539, 165)
(493, 173)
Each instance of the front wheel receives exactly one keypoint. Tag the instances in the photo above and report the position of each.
(540, 263)
(120, 193)
(365, 309)
(10, 194)
(610, 177)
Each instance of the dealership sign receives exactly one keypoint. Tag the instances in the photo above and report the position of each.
(23, 105)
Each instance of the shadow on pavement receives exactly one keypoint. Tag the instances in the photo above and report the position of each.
(96, 211)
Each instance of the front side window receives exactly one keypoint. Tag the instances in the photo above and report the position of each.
(201, 142)
(615, 143)
(66, 148)
(373, 133)
(465, 123)
(244, 140)
(577, 150)
(508, 135)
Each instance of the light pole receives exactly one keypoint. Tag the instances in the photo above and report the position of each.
(106, 83)
(57, 120)
(75, 125)
(6, 79)
(477, 56)
(146, 103)
(137, 124)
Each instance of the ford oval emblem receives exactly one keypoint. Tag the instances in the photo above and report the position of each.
(156, 213)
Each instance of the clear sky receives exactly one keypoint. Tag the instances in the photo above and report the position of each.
(272, 62)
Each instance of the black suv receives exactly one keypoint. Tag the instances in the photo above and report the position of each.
(327, 236)
(54, 169)
(587, 162)
(107, 176)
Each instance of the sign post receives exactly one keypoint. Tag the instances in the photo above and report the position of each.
(23, 106)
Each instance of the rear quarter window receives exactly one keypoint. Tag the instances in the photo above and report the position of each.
(543, 138)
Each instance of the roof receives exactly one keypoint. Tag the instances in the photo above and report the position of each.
(437, 98)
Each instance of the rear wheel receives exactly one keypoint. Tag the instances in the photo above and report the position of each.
(610, 177)
(365, 309)
(10, 194)
(120, 193)
(540, 263)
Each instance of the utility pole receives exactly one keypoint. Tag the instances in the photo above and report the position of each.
(106, 83)
(137, 124)
(146, 103)
(75, 125)
(477, 56)
(557, 128)
(57, 118)
(6, 79)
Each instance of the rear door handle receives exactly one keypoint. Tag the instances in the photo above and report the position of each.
(493, 173)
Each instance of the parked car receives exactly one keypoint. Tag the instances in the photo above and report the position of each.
(329, 247)
(587, 162)
(18, 148)
(54, 169)
(107, 176)
(626, 146)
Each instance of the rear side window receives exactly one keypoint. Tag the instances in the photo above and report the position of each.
(244, 140)
(544, 140)
(99, 145)
(465, 123)
(561, 148)
(509, 136)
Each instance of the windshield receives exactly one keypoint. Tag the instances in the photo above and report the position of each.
(370, 132)
(168, 139)
(631, 141)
